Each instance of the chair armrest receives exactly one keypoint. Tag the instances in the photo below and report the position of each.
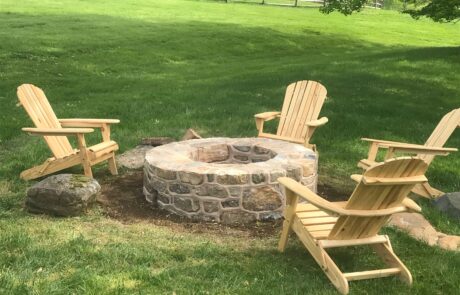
(267, 116)
(57, 131)
(87, 122)
(316, 123)
(307, 194)
(411, 148)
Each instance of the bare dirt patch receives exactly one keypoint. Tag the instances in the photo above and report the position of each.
(122, 199)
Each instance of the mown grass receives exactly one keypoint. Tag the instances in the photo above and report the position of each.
(164, 66)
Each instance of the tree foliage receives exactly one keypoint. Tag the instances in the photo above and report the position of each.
(438, 10)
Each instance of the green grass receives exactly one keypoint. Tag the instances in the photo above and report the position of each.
(164, 66)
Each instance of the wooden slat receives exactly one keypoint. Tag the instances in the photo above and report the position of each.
(372, 197)
(355, 242)
(319, 227)
(394, 180)
(317, 220)
(312, 214)
(442, 132)
(302, 112)
(369, 274)
(320, 234)
(38, 108)
(284, 110)
(305, 207)
(294, 116)
(291, 110)
(47, 125)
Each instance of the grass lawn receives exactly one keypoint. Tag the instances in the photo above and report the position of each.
(166, 65)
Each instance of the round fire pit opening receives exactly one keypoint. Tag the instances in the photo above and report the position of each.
(224, 179)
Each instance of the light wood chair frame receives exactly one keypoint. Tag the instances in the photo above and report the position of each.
(299, 115)
(321, 225)
(433, 147)
(49, 127)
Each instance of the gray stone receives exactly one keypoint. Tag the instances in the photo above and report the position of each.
(216, 174)
(449, 203)
(270, 216)
(210, 206)
(165, 199)
(242, 148)
(294, 173)
(134, 158)
(241, 158)
(232, 179)
(179, 188)
(235, 191)
(212, 190)
(237, 217)
(259, 159)
(261, 150)
(274, 175)
(258, 177)
(263, 198)
(62, 195)
(231, 203)
(190, 177)
(165, 174)
(186, 204)
(150, 197)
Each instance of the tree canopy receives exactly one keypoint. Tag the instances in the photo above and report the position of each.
(438, 10)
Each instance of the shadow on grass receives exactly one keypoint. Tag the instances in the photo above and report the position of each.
(160, 78)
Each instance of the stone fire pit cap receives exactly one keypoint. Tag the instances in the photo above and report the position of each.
(211, 155)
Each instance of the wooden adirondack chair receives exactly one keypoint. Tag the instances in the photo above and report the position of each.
(382, 191)
(299, 115)
(52, 129)
(432, 147)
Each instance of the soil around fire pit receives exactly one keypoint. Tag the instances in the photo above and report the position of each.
(122, 199)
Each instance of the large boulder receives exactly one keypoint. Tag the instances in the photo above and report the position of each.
(449, 204)
(62, 195)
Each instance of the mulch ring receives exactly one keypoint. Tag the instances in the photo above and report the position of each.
(122, 199)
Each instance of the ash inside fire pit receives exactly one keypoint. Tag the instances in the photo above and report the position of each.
(226, 180)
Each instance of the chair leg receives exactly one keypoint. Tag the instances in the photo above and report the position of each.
(427, 191)
(331, 270)
(289, 213)
(385, 252)
(113, 165)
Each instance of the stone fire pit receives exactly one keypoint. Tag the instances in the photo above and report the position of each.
(226, 180)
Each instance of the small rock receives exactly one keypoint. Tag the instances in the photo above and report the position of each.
(270, 216)
(62, 195)
(449, 242)
(449, 204)
(134, 158)
(415, 225)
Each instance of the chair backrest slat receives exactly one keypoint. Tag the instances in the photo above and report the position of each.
(302, 103)
(36, 104)
(372, 196)
(442, 132)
